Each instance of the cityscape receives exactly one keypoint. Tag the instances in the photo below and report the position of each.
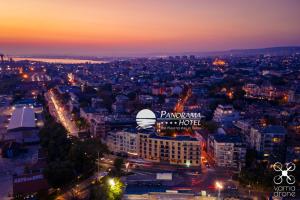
(140, 100)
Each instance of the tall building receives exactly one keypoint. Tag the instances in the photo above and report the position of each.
(268, 140)
(227, 150)
(124, 141)
(180, 150)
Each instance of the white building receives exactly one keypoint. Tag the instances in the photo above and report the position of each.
(124, 142)
(22, 126)
(227, 151)
(225, 114)
(268, 140)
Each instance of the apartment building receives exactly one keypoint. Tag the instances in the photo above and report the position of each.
(123, 141)
(227, 150)
(179, 150)
(225, 114)
(268, 140)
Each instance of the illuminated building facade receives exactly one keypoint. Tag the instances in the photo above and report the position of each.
(227, 151)
(124, 141)
(269, 140)
(179, 150)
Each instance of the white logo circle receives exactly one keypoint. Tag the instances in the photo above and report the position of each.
(145, 119)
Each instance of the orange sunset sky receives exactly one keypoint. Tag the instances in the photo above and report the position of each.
(135, 27)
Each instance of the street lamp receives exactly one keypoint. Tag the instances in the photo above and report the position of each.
(111, 182)
(219, 186)
(188, 163)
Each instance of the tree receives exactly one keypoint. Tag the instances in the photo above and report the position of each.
(210, 126)
(83, 155)
(59, 173)
(67, 158)
(107, 189)
(118, 163)
(250, 158)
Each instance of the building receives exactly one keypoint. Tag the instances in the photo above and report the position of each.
(225, 114)
(146, 99)
(251, 90)
(98, 126)
(167, 195)
(264, 91)
(27, 185)
(22, 126)
(124, 142)
(244, 126)
(227, 150)
(179, 150)
(294, 95)
(119, 105)
(268, 140)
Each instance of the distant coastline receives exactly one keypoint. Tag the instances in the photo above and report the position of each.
(273, 51)
(61, 60)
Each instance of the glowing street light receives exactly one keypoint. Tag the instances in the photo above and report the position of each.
(111, 182)
(25, 76)
(219, 186)
(188, 163)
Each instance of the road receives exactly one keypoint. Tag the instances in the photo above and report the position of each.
(61, 114)
(196, 182)
(81, 189)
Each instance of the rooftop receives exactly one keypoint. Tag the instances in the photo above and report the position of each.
(22, 117)
(223, 138)
(275, 129)
(29, 183)
(178, 138)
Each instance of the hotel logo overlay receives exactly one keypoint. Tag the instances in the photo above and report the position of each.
(145, 119)
(284, 181)
(168, 120)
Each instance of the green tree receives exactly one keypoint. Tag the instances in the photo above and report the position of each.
(107, 189)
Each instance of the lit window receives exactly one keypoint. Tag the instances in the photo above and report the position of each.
(276, 140)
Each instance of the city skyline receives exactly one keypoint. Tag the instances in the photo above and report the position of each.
(129, 28)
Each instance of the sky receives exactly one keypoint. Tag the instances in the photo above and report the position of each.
(140, 27)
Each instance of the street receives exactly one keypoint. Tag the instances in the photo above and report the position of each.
(56, 109)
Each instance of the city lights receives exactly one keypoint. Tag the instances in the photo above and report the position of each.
(111, 182)
(219, 185)
(149, 99)
(25, 76)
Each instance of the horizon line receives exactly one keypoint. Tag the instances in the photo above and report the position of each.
(151, 54)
